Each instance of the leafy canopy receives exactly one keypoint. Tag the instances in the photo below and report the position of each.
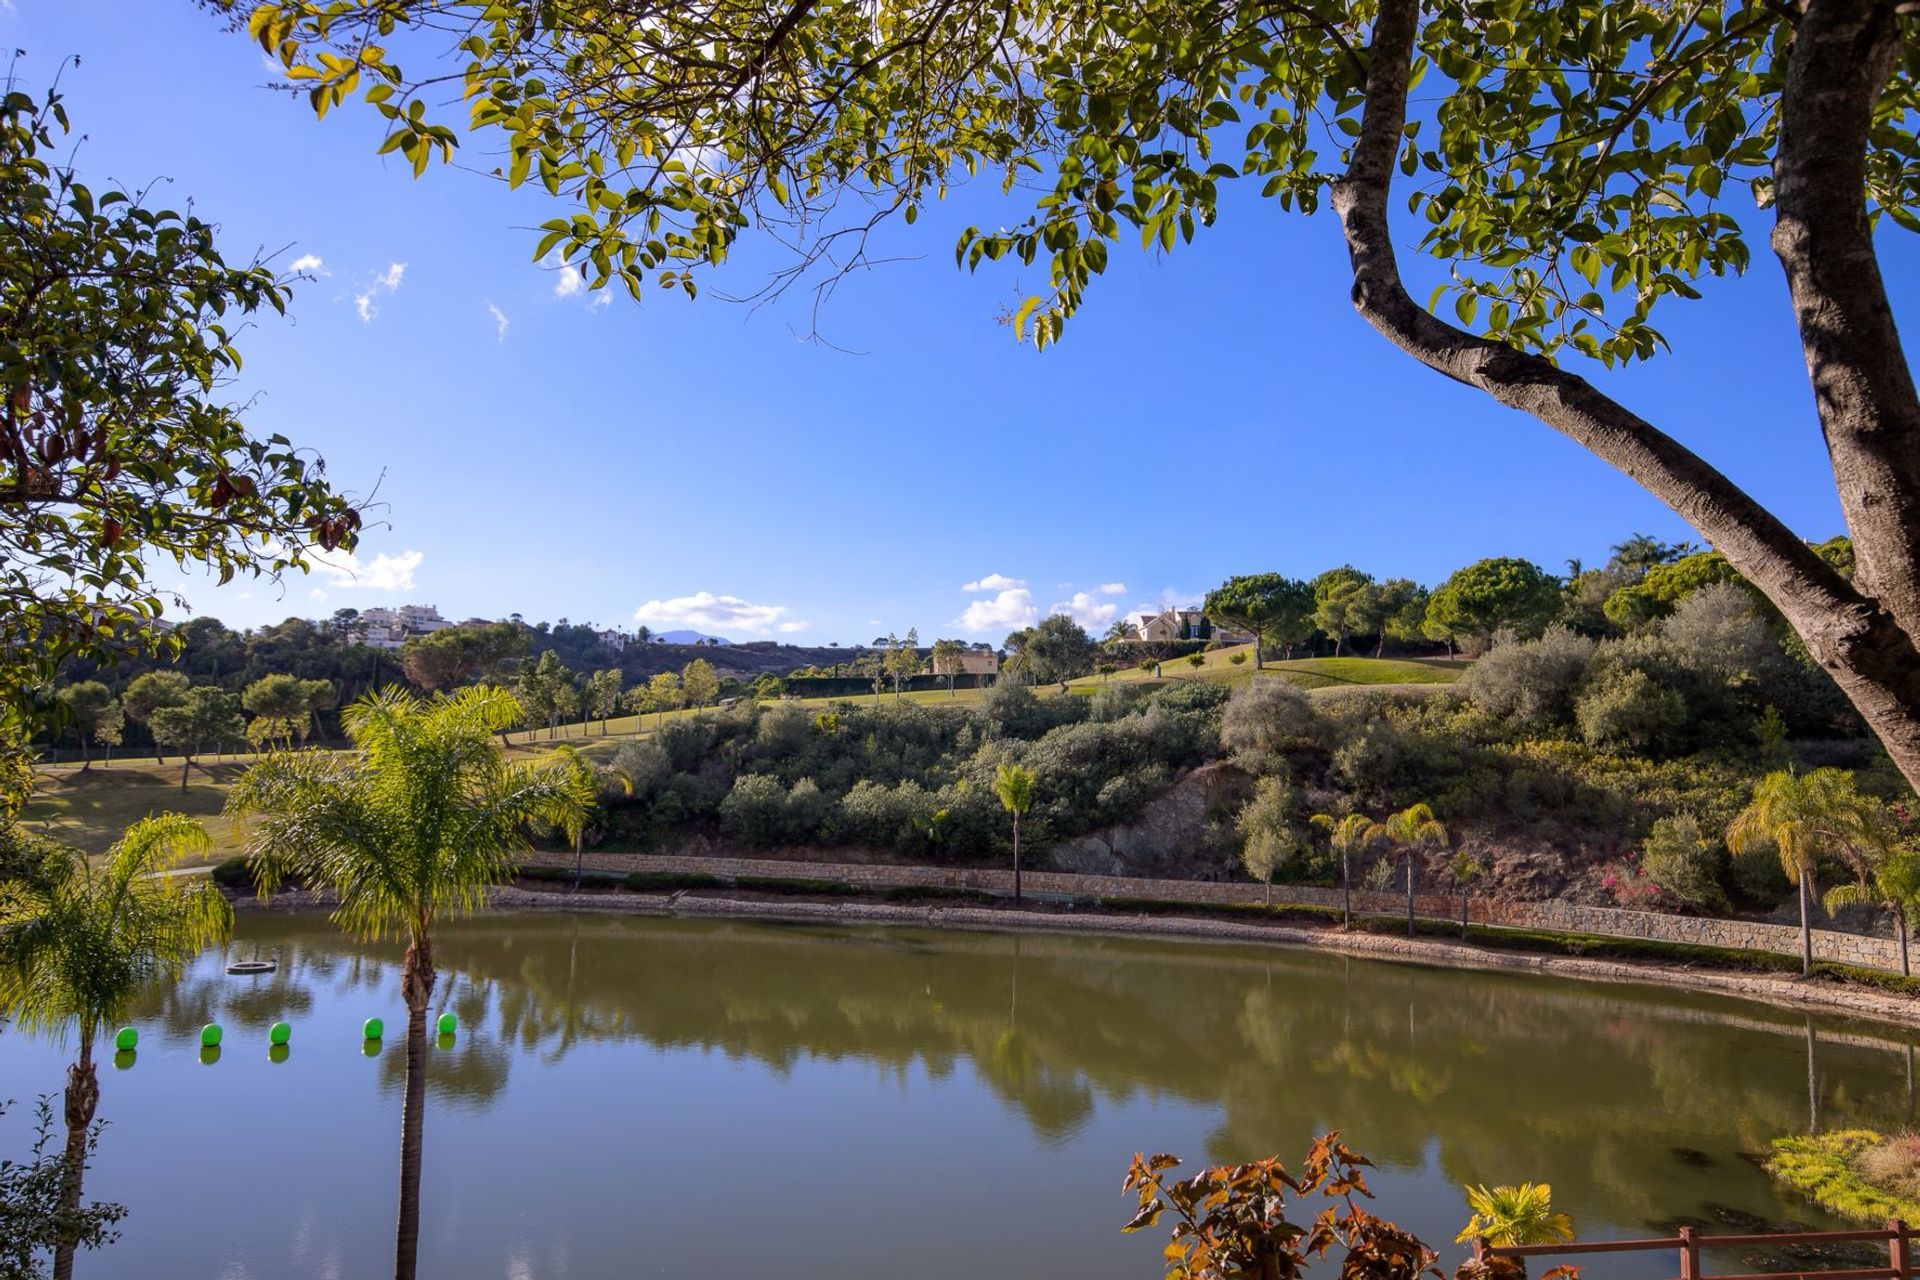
(1577, 164)
(117, 450)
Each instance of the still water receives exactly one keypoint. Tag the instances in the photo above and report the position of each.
(641, 1097)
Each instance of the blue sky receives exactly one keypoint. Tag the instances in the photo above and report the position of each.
(537, 451)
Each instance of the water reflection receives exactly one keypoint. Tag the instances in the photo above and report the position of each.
(597, 1052)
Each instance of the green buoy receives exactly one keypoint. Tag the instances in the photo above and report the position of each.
(210, 1036)
(280, 1033)
(448, 1024)
(372, 1029)
(125, 1038)
(278, 1053)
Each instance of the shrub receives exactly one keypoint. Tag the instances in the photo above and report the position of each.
(1626, 710)
(1192, 695)
(807, 810)
(645, 766)
(755, 811)
(233, 873)
(1532, 681)
(1111, 702)
(1685, 863)
(1266, 719)
(1894, 1165)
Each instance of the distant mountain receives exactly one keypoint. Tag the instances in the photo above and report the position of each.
(688, 637)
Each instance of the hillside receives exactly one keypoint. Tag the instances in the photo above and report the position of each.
(1308, 673)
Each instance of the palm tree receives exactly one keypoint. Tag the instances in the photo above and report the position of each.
(79, 941)
(590, 776)
(1508, 1216)
(1466, 869)
(1348, 835)
(1412, 829)
(1014, 785)
(1803, 817)
(1893, 884)
(418, 821)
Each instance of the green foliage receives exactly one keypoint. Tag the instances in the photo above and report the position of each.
(34, 1220)
(1278, 610)
(1343, 604)
(1665, 586)
(1507, 1216)
(698, 683)
(1684, 863)
(1137, 119)
(1264, 720)
(1532, 681)
(79, 941)
(116, 448)
(1832, 1170)
(418, 821)
(1498, 594)
(1057, 648)
(1269, 836)
(1625, 709)
(207, 717)
(452, 656)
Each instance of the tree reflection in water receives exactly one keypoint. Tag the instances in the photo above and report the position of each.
(1493, 1076)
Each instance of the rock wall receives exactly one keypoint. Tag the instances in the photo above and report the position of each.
(1845, 948)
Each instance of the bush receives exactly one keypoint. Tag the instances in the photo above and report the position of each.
(1684, 863)
(755, 811)
(233, 873)
(1625, 710)
(1531, 681)
(645, 765)
(1264, 720)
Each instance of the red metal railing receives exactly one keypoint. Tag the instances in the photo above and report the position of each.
(1896, 1235)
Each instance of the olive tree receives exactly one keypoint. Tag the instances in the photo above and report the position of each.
(1573, 168)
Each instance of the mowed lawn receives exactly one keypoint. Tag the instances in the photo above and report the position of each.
(89, 808)
(1308, 673)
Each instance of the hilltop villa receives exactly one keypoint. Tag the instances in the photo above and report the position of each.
(1183, 624)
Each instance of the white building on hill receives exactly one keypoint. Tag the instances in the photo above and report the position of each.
(384, 628)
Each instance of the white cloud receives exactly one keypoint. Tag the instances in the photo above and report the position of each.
(1088, 610)
(567, 280)
(499, 321)
(1005, 610)
(383, 573)
(387, 281)
(601, 300)
(318, 595)
(788, 628)
(995, 582)
(1111, 589)
(705, 611)
(311, 264)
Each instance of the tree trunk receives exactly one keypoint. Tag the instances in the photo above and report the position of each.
(1900, 923)
(1346, 890)
(1862, 631)
(577, 859)
(1256, 650)
(1463, 911)
(82, 1098)
(186, 763)
(1016, 857)
(1269, 891)
(1806, 931)
(1409, 894)
(416, 987)
(86, 756)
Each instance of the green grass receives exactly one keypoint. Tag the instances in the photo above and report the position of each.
(1307, 673)
(1823, 1168)
(88, 809)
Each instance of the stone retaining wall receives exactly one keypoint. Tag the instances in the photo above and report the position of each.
(1828, 944)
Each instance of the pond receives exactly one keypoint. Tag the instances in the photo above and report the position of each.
(633, 1096)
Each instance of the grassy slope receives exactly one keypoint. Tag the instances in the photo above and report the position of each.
(89, 809)
(1308, 673)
